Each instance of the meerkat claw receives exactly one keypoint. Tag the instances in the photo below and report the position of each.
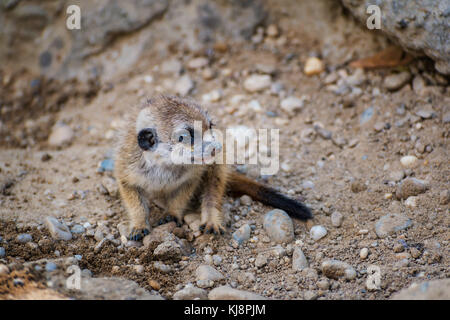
(138, 234)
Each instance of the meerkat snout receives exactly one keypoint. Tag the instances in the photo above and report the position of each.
(147, 139)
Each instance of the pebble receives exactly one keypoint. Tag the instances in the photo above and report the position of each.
(317, 232)
(184, 85)
(242, 234)
(299, 261)
(161, 267)
(4, 269)
(336, 269)
(207, 272)
(446, 117)
(411, 187)
(444, 197)
(397, 176)
(205, 283)
(307, 184)
(313, 66)
(78, 229)
(190, 292)
(58, 230)
(50, 266)
(396, 81)
(272, 31)
(366, 115)
(408, 161)
(426, 112)
(172, 66)
(411, 202)
(278, 226)
(364, 253)
(2, 252)
(217, 260)
(336, 219)
(255, 83)
(323, 284)
(415, 253)
(197, 63)
(391, 223)
(61, 135)
(246, 200)
(310, 295)
(228, 293)
(106, 165)
(292, 104)
(168, 250)
(213, 96)
(261, 260)
(24, 238)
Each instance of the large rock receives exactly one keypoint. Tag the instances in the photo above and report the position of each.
(421, 26)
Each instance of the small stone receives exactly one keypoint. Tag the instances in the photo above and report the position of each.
(398, 248)
(278, 226)
(391, 223)
(444, 197)
(191, 293)
(313, 66)
(161, 267)
(197, 63)
(336, 269)
(397, 176)
(396, 81)
(206, 272)
(364, 253)
(358, 186)
(299, 261)
(58, 230)
(138, 268)
(425, 112)
(172, 66)
(411, 187)
(78, 229)
(415, 253)
(336, 219)
(61, 135)
(50, 266)
(256, 83)
(2, 253)
(242, 234)
(154, 284)
(272, 31)
(318, 232)
(292, 104)
(310, 295)
(228, 293)
(106, 165)
(366, 115)
(168, 250)
(3, 269)
(205, 284)
(411, 202)
(261, 260)
(307, 184)
(323, 284)
(24, 238)
(246, 200)
(408, 161)
(217, 260)
(184, 85)
(379, 126)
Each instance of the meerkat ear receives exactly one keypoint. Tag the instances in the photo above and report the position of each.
(147, 139)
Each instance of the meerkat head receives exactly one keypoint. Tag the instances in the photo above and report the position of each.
(171, 130)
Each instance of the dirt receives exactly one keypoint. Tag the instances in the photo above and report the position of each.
(37, 180)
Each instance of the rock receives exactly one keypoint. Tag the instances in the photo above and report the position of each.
(205, 284)
(61, 135)
(426, 112)
(358, 186)
(323, 284)
(212, 96)
(246, 200)
(411, 202)
(446, 117)
(189, 292)
(242, 234)
(197, 63)
(24, 238)
(78, 229)
(397, 176)
(412, 24)
(391, 223)
(336, 219)
(50, 266)
(58, 230)
(317, 232)
(255, 83)
(336, 269)
(444, 197)
(4, 269)
(364, 253)
(408, 161)
(429, 290)
(171, 66)
(228, 293)
(310, 295)
(411, 187)
(415, 253)
(272, 31)
(2, 253)
(313, 66)
(217, 260)
(168, 250)
(396, 81)
(299, 261)
(366, 115)
(184, 85)
(278, 226)
(161, 267)
(206, 272)
(292, 104)
(307, 184)
(261, 260)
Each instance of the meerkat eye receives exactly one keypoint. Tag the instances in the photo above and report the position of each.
(147, 138)
(183, 137)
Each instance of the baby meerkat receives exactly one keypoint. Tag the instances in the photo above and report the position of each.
(146, 171)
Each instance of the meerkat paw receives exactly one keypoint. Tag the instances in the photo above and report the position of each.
(212, 226)
(138, 234)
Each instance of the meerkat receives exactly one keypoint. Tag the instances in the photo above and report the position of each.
(146, 173)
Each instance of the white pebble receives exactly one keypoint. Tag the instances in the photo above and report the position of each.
(318, 232)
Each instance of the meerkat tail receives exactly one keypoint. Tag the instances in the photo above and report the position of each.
(240, 184)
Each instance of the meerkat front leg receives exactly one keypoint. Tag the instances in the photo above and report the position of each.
(213, 192)
(137, 206)
(178, 200)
